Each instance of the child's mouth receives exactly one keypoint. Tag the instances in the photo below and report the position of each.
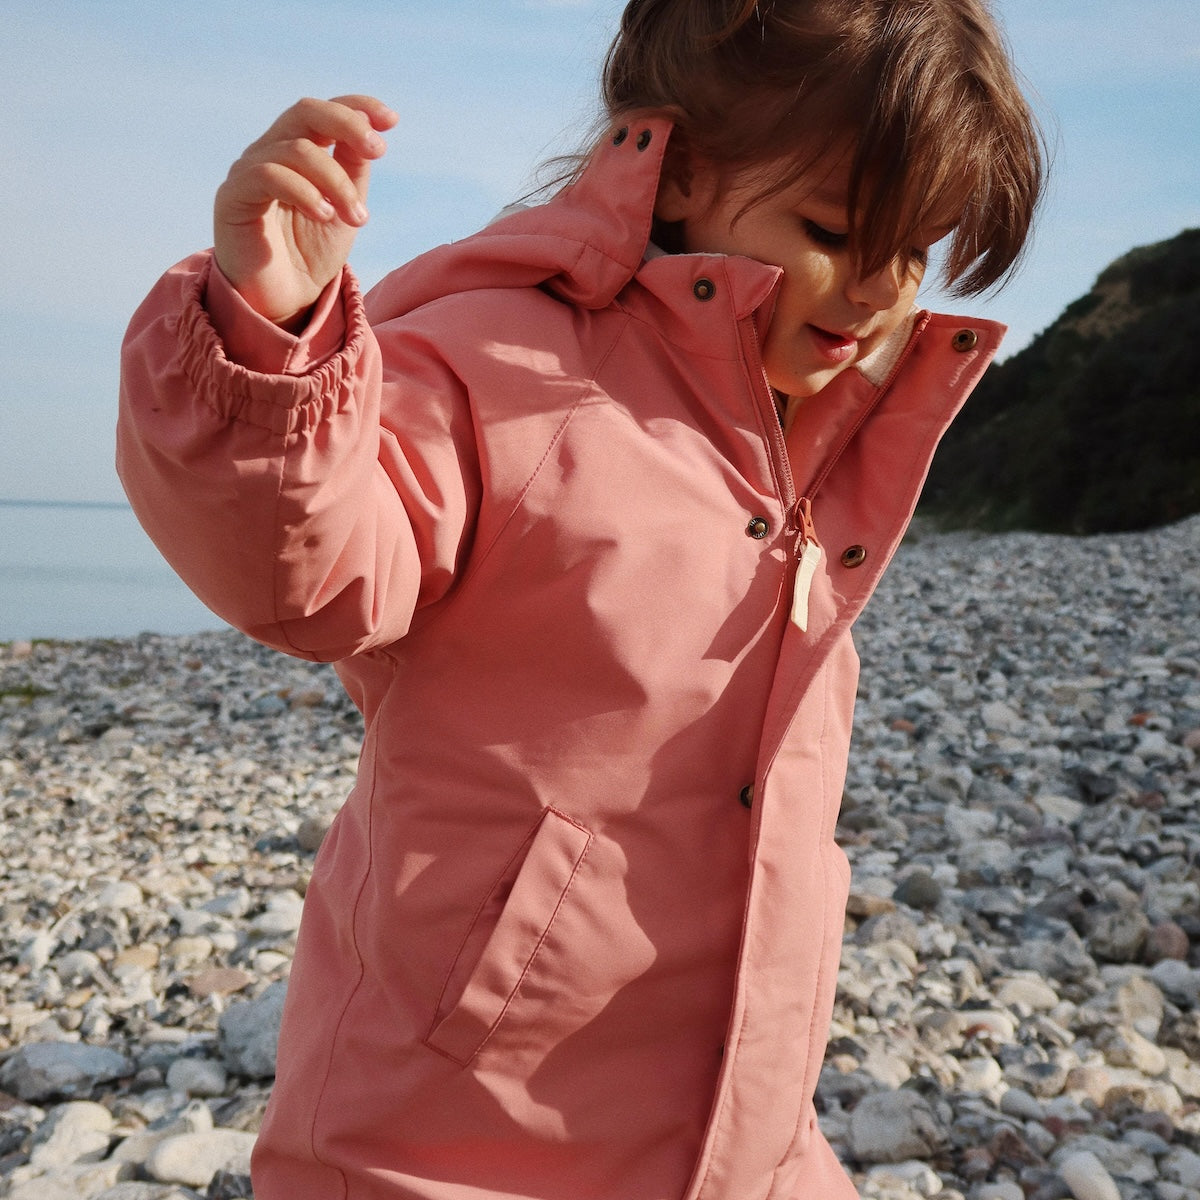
(837, 347)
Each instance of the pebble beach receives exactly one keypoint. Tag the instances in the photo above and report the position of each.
(1018, 1013)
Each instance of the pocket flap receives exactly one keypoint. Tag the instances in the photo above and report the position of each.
(541, 884)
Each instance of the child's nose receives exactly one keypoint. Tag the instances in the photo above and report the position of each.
(878, 291)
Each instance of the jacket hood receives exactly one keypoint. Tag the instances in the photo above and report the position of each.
(583, 245)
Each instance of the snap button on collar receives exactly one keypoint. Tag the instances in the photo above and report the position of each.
(854, 556)
(964, 340)
(620, 136)
(644, 139)
(704, 289)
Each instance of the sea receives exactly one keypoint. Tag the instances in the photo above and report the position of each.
(77, 570)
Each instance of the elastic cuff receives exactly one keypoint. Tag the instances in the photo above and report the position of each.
(251, 341)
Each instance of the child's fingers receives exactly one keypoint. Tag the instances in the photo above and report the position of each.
(245, 196)
(273, 172)
(377, 113)
(333, 123)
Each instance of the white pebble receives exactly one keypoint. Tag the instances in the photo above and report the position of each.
(1085, 1175)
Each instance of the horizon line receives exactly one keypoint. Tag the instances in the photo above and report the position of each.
(17, 502)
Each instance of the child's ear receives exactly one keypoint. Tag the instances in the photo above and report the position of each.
(686, 187)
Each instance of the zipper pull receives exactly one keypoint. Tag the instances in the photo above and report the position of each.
(808, 556)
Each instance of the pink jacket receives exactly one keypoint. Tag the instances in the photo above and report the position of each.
(575, 933)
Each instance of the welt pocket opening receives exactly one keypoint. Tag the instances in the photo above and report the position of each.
(506, 934)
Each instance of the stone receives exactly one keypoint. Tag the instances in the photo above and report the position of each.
(1127, 1048)
(918, 889)
(197, 1077)
(232, 1182)
(1028, 993)
(219, 981)
(194, 1158)
(1016, 1102)
(1002, 1190)
(1166, 940)
(1060, 809)
(249, 1033)
(890, 1127)
(1182, 1166)
(124, 895)
(72, 1133)
(56, 1070)
(80, 1181)
(1087, 1178)
(1179, 982)
(1118, 933)
(908, 1178)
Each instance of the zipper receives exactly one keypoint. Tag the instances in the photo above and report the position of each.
(782, 468)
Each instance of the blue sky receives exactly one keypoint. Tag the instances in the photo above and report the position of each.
(122, 117)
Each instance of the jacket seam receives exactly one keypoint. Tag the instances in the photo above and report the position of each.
(437, 609)
(819, 983)
(354, 941)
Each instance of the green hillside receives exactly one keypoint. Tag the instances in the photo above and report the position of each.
(1095, 426)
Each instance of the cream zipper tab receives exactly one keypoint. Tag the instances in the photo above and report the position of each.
(808, 555)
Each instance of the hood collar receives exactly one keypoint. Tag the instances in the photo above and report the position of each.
(584, 244)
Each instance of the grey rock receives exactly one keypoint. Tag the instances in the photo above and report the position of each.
(232, 1182)
(1179, 982)
(249, 1032)
(1118, 933)
(890, 1127)
(197, 1077)
(56, 1070)
(918, 889)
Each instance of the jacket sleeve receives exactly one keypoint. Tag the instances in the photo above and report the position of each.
(315, 512)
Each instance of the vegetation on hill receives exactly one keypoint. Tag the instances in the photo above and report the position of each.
(1095, 426)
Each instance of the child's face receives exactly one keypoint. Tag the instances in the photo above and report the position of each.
(826, 316)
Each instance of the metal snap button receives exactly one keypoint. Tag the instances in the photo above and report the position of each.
(620, 136)
(746, 795)
(758, 528)
(704, 289)
(854, 556)
(644, 139)
(964, 340)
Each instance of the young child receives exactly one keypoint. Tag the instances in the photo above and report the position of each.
(583, 508)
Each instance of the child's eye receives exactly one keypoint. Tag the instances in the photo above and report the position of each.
(825, 237)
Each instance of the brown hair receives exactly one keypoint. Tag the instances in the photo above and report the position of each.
(922, 90)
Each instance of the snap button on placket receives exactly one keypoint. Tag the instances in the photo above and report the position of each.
(854, 556)
(746, 796)
(758, 528)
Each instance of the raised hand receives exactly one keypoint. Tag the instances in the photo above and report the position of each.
(288, 212)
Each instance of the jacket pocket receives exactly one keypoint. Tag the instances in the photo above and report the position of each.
(512, 924)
